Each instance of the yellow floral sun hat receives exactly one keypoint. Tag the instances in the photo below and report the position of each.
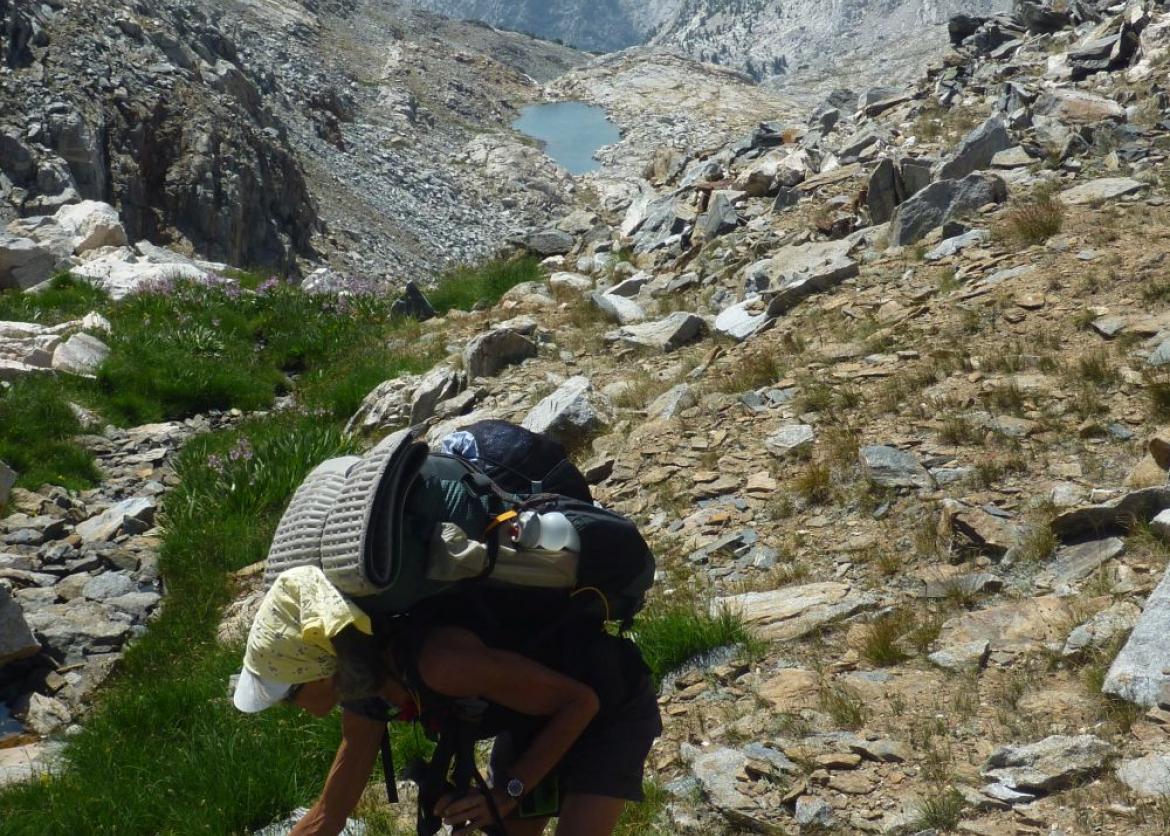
(289, 643)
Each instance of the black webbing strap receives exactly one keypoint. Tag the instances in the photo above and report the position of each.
(388, 767)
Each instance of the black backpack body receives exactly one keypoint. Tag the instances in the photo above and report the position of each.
(518, 460)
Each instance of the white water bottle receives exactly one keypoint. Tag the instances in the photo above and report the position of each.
(552, 532)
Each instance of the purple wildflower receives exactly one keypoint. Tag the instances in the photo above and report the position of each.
(241, 452)
(215, 463)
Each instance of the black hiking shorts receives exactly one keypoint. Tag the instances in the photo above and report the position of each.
(608, 758)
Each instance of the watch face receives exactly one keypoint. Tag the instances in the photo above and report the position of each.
(515, 788)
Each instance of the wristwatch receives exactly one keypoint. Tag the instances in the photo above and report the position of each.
(515, 789)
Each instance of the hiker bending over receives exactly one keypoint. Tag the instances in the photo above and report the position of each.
(573, 712)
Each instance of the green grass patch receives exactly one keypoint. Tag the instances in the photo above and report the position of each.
(64, 299)
(164, 750)
(36, 424)
(188, 347)
(465, 288)
(645, 818)
(670, 634)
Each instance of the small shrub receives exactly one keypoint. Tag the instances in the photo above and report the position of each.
(814, 397)
(958, 430)
(643, 818)
(1035, 220)
(1037, 545)
(844, 705)
(940, 811)
(993, 468)
(465, 288)
(880, 646)
(924, 634)
(815, 483)
(752, 370)
(1095, 367)
(1006, 397)
(1156, 291)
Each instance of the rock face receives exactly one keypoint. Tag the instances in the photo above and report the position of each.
(1053, 763)
(16, 639)
(1142, 669)
(81, 354)
(488, 354)
(571, 413)
(977, 150)
(795, 611)
(1148, 776)
(941, 201)
(893, 468)
(232, 130)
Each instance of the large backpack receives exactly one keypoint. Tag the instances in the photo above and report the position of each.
(368, 522)
(518, 460)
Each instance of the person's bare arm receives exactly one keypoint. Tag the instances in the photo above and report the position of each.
(360, 742)
(456, 663)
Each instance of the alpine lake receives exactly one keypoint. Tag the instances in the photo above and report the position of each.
(569, 132)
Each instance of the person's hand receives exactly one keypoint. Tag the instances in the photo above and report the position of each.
(472, 811)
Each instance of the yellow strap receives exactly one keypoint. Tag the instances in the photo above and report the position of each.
(600, 594)
(500, 520)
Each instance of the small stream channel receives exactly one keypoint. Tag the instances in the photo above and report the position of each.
(569, 132)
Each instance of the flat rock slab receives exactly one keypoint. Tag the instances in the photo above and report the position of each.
(743, 319)
(1078, 107)
(1106, 188)
(1072, 563)
(75, 629)
(1018, 627)
(21, 764)
(890, 467)
(1142, 668)
(795, 611)
(1102, 629)
(717, 770)
(106, 525)
(991, 534)
(1052, 764)
(618, 308)
(791, 690)
(664, 335)
(1148, 776)
(1116, 516)
(790, 440)
(962, 657)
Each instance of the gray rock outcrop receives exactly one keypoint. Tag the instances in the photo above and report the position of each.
(1142, 668)
(570, 414)
(942, 201)
(1051, 764)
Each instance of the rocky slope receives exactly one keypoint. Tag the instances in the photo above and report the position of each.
(889, 380)
(262, 134)
(806, 48)
(601, 27)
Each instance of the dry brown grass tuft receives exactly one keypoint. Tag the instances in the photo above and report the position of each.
(1035, 220)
